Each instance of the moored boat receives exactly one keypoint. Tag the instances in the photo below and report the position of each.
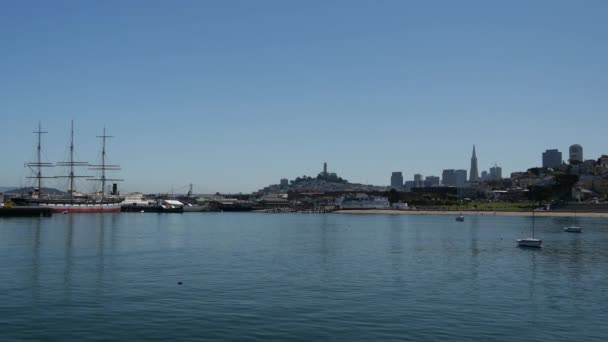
(530, 241)
(73, 202)
(60, 205)
(574, 228)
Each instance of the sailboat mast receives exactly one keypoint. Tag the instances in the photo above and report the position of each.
(71, 165)
(533, 223)
(104, 166)
(37, 166)
(38, 160)
(72, 162)
(103, 163)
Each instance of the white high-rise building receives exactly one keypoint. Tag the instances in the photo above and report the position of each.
(576, 153)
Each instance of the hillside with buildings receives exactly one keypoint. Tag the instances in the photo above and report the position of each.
(325, 182)
(576, 179)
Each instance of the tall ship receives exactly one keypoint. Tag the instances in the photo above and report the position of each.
(74, 202)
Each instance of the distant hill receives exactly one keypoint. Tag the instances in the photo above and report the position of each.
(308, 183)
(5, 188)
(23, 191)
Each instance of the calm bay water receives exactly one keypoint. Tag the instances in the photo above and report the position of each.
(250, 276)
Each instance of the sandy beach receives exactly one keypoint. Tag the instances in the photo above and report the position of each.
(468, 213)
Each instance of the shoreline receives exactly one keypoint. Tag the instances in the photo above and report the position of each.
(470, 213)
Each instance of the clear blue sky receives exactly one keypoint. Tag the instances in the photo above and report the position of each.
(234, 95)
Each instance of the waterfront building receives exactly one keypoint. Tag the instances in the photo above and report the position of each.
(576, 154)
(448, 177)
(552, 158)
(495, 172)
(284, 183)
(474, 172)
(397, 180)
(460, 177)
(431, 181)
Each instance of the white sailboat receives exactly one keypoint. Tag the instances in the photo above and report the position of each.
(530, 241)
(573, 228)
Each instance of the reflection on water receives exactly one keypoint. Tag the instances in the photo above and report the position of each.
(396, 252)
(100, 253)
(37, 223)
(307, 277)
(69, 259)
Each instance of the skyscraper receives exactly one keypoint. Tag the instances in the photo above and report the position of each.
(448, 177)
(474, 176)
(496, 172)
(431, 181)
(552, 158)
(397, 180)
(484, 175)
(576, 153)
(461, 177)
(418, 180)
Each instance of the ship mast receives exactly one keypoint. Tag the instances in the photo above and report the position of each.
(72, 164)
(72, 160)
(38, 165)
(103, 166)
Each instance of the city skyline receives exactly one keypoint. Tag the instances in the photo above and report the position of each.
(232, 98)
(456, 181)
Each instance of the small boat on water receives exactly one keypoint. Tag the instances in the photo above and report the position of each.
(530, 241)
(460, 218)
(573, 228)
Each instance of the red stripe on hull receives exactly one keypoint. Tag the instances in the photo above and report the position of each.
(86, 210)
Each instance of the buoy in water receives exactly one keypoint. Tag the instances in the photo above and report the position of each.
(179, 283)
